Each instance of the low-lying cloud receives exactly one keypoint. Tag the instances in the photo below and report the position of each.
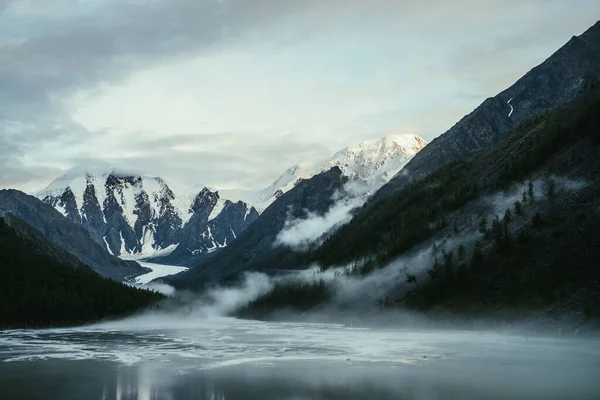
(302, 233)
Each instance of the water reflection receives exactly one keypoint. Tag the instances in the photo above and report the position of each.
(61, 379)
(230, 359)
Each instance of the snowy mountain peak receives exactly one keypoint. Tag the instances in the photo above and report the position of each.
(375, 161)
(379, 158)
(409, 143)
(140, 216)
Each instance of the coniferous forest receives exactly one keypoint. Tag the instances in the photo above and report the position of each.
(542, 250)
(38, 289)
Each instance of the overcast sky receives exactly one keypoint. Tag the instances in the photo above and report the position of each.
(229, 93)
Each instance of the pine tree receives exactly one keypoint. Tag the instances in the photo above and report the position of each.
(518, 208)
(537, 219)
(410, 279)
(483, 226)
(449, 260)
(496, 229)
(461, 253)
(550, 188)
(530, 192)
(507, 221)
(477, 258)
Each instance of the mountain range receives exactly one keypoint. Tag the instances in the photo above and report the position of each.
(530, 153)
(87, 246)
(255, 248)
(141, 217)
(374, 162)
(44, 285)
(560, 79)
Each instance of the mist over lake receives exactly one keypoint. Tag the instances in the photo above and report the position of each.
(167, 357)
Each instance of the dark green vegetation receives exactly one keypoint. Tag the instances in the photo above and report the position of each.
(253, 250)
(395, 224)
(542, 251)
(43, 286)
(298, 297)
(73, 238)
(552, 259)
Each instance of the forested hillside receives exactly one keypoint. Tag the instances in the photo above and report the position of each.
(540, 251)
(395, 224)
(44, 286)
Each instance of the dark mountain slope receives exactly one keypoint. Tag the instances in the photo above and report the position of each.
(201, 236)
(40, 244)
(42, 285)
(69, 236)
(141, 216)
(540, 258)
(397, 223)
(255, 250)
(547, 86)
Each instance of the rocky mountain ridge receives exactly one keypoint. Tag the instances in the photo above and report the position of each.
(143, 217)
(373, 161)
(86, 245)
(554, 82)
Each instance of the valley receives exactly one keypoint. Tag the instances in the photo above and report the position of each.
(228, 219)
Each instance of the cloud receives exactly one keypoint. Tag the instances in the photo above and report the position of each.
(299, 234)
(249, 86)
(302, 233)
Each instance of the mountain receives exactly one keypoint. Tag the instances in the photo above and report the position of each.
(507, 235)
(42, 285)
(143, 217)
(139, 217)
(255, 248)
(83, 244)
(554, 82)
(40, 243)
(374, 162)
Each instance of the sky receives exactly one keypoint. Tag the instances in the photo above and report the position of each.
(230, 93)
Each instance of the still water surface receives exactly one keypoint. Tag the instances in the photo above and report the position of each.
(225, 358)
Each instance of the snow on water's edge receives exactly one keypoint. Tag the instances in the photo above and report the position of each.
(158, 271)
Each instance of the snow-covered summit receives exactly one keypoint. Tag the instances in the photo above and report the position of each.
(144, 216)
(374, 161)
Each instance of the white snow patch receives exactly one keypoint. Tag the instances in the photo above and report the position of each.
(215, 244)
(158, 271)
(150, 253)
(217, 209)
(184, 198)
(148, 240)
(511, 107)
(61, 209)
(127, 201)
(107, 246)
(123, 251)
